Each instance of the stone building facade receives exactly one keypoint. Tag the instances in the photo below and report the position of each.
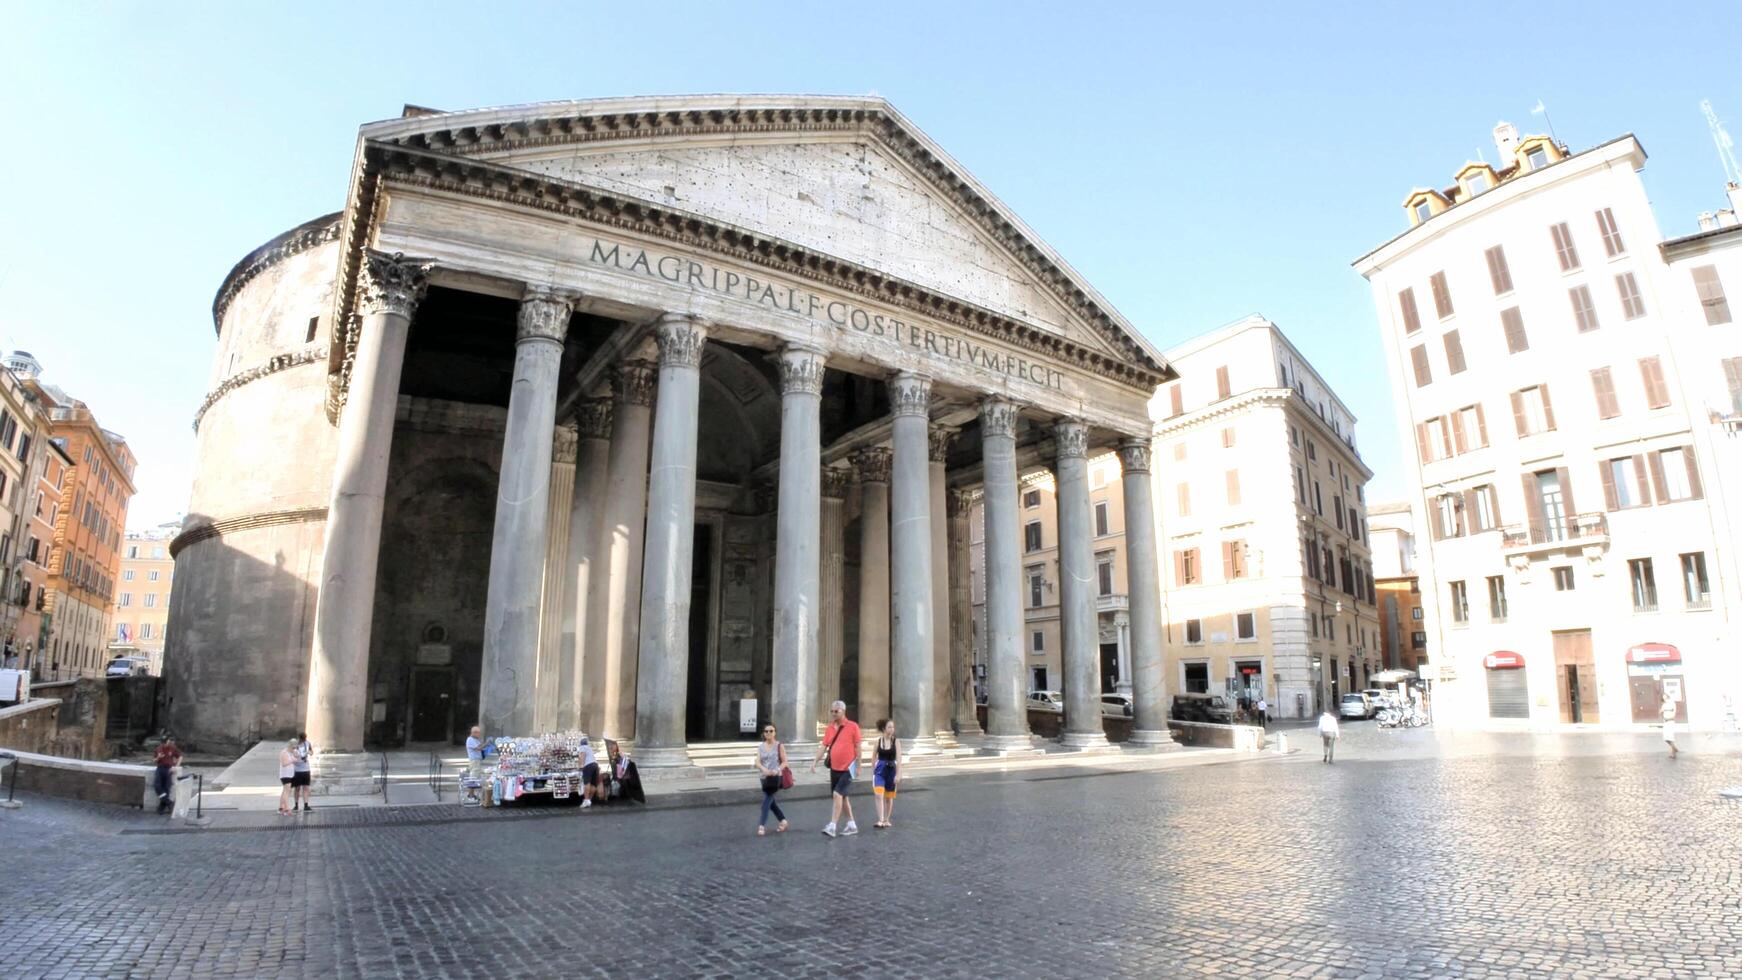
(605, 414)
(138, 623)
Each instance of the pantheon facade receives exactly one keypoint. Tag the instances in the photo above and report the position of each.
(612, 414)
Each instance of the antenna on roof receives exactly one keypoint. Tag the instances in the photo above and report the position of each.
(1542, 110)
(1726, 149)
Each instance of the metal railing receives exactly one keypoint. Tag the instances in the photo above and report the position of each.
(382, 777)
(435, 775)
(1578, 527)
(199, 792)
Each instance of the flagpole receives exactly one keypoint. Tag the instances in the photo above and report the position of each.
(1540, 107)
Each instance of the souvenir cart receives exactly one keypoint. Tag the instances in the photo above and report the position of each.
(535, 765)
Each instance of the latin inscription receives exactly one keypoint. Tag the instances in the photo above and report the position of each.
(923, 337)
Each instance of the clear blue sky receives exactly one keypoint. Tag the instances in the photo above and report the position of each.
(1195, 162)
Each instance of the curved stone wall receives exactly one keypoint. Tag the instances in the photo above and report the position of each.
(247, 563)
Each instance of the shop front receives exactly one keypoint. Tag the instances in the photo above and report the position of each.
(1508, 693)
(1654, 672)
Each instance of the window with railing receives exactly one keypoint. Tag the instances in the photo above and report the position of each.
(1696, 589)
(1460, 603)
(1497, 598)
(1644, 584)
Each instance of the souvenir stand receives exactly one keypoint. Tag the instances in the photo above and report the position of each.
(534, 765)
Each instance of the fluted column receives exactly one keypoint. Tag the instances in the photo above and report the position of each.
(1081, 633)
(797, 549)
(390, 287)
(662, 686)
(873, 467)
(1006, 694)
(910, 580)
(938, 456)
(587, 508)
(831, 636)
(522, 516)
(1143, 583)
(548, 716)
(961, 599)
(614, 603)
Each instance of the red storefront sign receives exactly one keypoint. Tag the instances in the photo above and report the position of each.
(1503, 660)
(1654, 653)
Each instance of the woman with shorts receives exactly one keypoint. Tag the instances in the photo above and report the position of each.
(287, 778)
(883, 776)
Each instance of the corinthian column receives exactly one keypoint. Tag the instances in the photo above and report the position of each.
(587, 507)
(1143, 582)
(1081, 633)
(522, 518)
(614, 586)
(938, 456)
(797, 547)
(831, 636)
(873, 467)
(961, 600)
(1006, 700)
(551, 688)
(666, 572)
(390, 288)
(910, 580)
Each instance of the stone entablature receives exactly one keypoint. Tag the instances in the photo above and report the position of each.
(300, 239)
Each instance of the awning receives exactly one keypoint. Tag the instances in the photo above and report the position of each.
(1503, 660)
(1393, 676)
(1654, 653)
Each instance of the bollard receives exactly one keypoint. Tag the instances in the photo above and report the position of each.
(9, 803)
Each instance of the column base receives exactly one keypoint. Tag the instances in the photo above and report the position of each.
(946, 739)
(345, 774)
(967, 727)
(663, 757)
(917, 745)
(1008, 746)
(1084, 740)
(1150, 741)
(801, 753)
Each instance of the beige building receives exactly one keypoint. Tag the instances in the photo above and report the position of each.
(28, 460)
(136, 627)
(1571, 385)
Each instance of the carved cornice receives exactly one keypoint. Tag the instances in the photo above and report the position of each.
(563, 442)
(544, 316)
(1135, 455)
(303, 237)
(801, 371)
(872, 464)
(593, 418)
(940, 439)
(869, 122)
(206, 530)
(680, 338)
(835, 481)
(392, 283)
(1070, 439)
(634, 382)
(997, 419)
(910, 394)
(960, 501)
(273, 365)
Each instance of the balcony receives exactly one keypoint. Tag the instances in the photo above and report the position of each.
(1581, 532)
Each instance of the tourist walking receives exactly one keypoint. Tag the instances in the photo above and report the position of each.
(1263, 712)
(167, 757)
(301, 777)
(1329, 732)
(287, 778)
(841, 747)
(771, 763)
(1668, 714)
(883, 773)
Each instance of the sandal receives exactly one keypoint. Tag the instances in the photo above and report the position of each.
(780, 828)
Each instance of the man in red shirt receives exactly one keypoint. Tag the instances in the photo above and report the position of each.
(841, 745)
(167, 757)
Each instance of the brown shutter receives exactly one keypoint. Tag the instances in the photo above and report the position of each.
(1656, 392)
(1694, 491)
(1227, 561)
(1642, 481)
(1421, 441)
(1494, 504)
(1459, 443)
(1611, 499)
(1547, 407)
(1418, 360)
(1176, 401)
(1604, 385)
(1179, 568)
(1518, 413)
(1411, 317)
(1533, 506)
(1470, 513)
(1655, 461)
(1567, 491)
(1454, 352)
(1197, 565)
(1512, 323)
(1233, 488)
(1733, 382)
(1222, 388)
(1435, 526)
(1481, 427)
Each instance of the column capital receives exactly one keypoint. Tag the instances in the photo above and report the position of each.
(1135, 455)
(801, 370)
(1121, 620)
(940, 438)
(593, 418)
(391, 283)
(909, 394)
(960, 502)
(562, 444)
(633, 382)
(544, 315)
(680, 337)
(1070, 439)
(997, 418)
(835, 480)
(872, 462)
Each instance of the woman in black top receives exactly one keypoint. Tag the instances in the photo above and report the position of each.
(883, 776)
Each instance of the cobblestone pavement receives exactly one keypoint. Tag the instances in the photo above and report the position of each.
(1412, 856)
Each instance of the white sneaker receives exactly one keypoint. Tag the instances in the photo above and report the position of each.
(586, 803)
(852, 828)
(829, 829)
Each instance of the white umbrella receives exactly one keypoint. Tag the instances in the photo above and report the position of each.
(1393, 676)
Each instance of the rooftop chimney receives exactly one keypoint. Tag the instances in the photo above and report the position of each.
(1506, 141)
(1707, 221)
(1734, 192)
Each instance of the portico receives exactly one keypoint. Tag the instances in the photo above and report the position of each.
(774, 347)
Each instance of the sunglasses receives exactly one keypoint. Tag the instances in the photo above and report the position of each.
(768, 731)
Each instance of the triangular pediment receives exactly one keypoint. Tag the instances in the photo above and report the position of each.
(849, 178)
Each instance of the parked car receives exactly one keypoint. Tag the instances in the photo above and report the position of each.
(1379, 698)
(127, 667)
(1355, 705)
(1116, 706)
(1046, 701)
(1212, 708)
